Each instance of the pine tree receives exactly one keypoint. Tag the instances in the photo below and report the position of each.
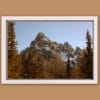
(68, 69)
(86, 60)
(89, 57)
(13, 57)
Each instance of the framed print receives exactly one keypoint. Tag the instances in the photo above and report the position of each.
(49, 50)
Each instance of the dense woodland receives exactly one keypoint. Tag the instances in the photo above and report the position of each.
(34, 65)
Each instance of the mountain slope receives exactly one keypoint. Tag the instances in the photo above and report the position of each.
(43, 45)
(46, 58)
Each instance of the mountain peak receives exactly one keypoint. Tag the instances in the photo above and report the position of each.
(43, 45)
(40, 35)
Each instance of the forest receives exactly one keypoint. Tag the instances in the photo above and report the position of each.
(43, 59)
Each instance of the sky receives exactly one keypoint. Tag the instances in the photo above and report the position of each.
(73, 32)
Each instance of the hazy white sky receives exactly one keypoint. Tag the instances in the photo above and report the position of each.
(73, 32)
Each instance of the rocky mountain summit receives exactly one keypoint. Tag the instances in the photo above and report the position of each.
(49, 49)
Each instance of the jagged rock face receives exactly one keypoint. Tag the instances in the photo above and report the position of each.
(77, 51)
(39, 36)
(68, 47)
(48, 48)
(41, 40)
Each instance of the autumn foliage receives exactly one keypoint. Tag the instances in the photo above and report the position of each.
(84, 69)
(32, 64)
(36, 66)
(13, 57)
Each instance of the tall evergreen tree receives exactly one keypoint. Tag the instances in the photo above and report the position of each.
(13, 57)
(86, 60)
(68, 69)
(89, 57)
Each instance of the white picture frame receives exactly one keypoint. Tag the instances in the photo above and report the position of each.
(4, 80)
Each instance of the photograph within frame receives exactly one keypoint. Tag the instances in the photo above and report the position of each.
(4, 50)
